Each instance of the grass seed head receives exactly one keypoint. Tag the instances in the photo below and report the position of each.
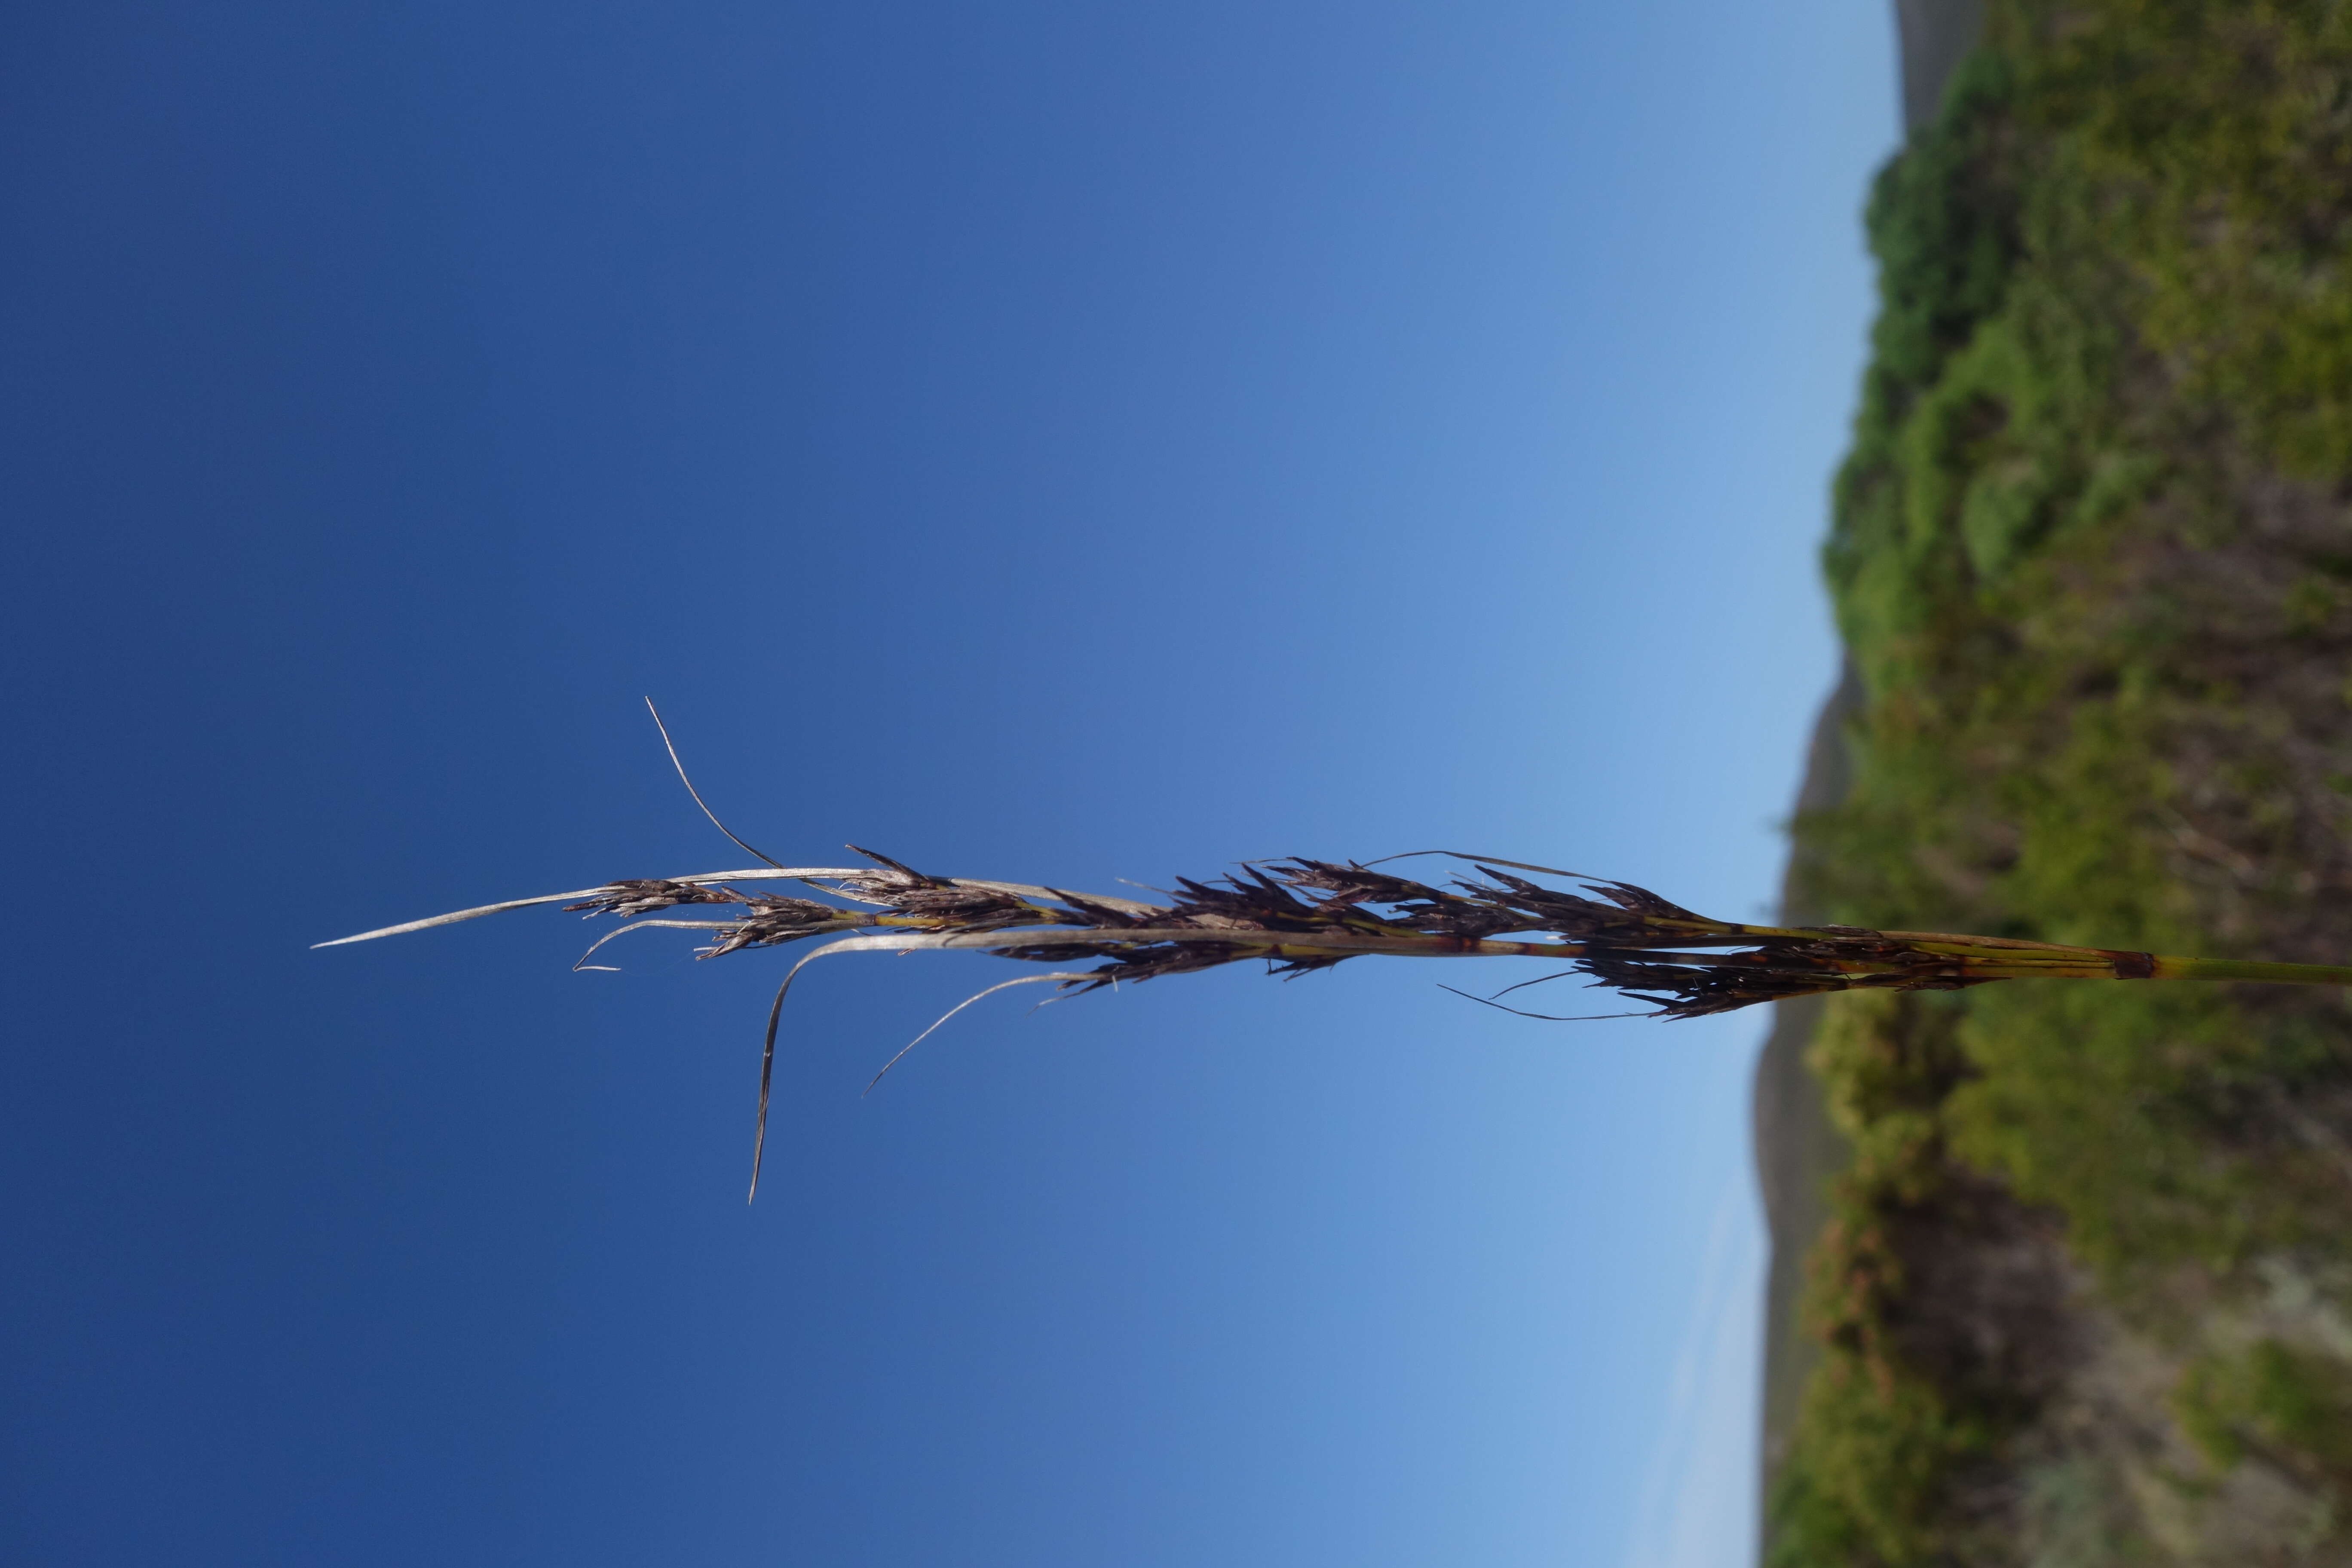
(1301, 915)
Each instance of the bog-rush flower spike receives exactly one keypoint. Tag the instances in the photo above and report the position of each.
(1298, 915)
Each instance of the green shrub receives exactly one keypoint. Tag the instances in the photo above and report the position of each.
(2091, 553)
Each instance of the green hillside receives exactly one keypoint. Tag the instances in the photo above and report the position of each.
(2086, 1294)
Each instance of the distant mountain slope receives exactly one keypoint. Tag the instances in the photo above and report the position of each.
(1799, 1149)
(1933, 38)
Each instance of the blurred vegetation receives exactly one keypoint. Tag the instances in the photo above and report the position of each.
(2087, 1296)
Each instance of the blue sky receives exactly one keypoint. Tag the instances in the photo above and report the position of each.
(1045, 441)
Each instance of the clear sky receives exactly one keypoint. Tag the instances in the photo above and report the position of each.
(1042, 440)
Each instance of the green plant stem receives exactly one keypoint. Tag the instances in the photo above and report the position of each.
(2247, 969)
